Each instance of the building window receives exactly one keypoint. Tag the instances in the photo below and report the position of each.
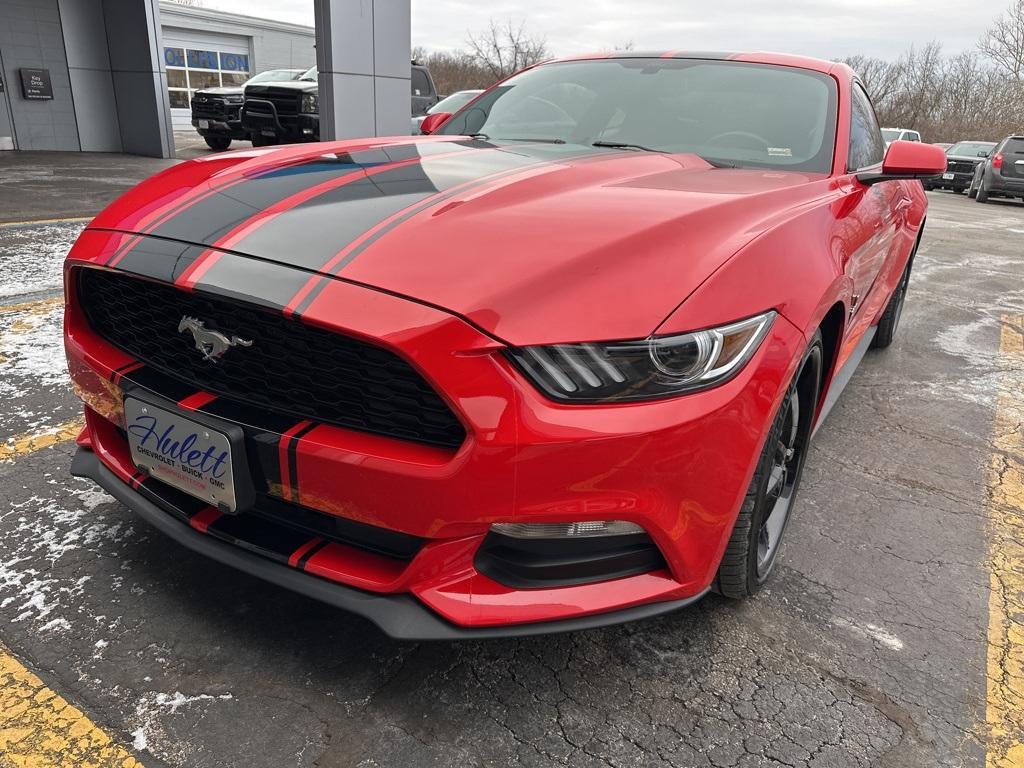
(189, 70)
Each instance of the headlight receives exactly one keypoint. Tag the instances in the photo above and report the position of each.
(644, 369)
(234, 98)
(310, 103)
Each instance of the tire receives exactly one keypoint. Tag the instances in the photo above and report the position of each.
(259, 140)
(218, 143)
(750, 556)
(890, 319)
(972, 191)
(982, 195)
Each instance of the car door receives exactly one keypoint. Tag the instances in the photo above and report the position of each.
(871, 215)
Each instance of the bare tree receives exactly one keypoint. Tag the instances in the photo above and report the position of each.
(1003, 42)
(505, 48)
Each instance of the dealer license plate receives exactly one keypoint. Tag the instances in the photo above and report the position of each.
(947, 177)
(181, 452)
(204, 124)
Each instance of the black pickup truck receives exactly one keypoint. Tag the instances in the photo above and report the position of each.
(216, 112)
(281, 113)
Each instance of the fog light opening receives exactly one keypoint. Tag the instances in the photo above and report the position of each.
(577, 530)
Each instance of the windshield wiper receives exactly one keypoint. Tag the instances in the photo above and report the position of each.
(530, 138)
(623, 145)
(717, 163)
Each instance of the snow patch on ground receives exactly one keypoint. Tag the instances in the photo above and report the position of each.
(150, 735)
(37, 534)
(32, 352)
(33, 256)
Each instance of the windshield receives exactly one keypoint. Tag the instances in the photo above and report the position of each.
(971, 148)
(273, 76)
(454, 103)
(891, 134)
(742, 114)
(310, 74)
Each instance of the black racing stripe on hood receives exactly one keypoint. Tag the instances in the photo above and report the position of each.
(535, 155)
(253, 281)
(210, 218)
(310, 234)
(155, 258)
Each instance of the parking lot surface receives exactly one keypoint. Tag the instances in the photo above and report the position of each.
(886, 639)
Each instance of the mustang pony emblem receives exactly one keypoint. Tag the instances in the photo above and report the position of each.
(213, 344)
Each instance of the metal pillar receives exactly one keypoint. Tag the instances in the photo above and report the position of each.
(363, 55)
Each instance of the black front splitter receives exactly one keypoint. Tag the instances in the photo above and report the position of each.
(400, 616)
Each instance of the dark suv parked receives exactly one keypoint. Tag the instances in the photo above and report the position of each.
(1002, 172)
(961, 161)
(216, 112)
(280, 113)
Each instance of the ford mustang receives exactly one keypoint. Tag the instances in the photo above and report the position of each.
(553, 366)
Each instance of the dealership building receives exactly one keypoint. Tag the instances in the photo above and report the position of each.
(117, 75)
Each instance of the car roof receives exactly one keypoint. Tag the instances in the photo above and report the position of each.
(752, 57)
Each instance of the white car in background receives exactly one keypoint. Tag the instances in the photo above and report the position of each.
(899, 134)
(452, 103)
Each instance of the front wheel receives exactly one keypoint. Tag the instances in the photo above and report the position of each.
(982, 196)
(259, 140)
(219, 143)
(757, 536)
(972, 191)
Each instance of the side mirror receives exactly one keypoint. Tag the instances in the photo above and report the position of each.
(432, 122)
(908, 160)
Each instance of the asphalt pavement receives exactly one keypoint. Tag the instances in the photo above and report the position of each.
(886, 638)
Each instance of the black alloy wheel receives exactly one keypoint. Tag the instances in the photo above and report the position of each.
(757, 537)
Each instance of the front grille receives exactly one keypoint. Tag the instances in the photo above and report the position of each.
(291, 368)
(215, 109)
(285, 102)
(960, 166)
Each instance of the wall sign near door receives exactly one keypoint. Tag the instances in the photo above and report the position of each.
(36, 84)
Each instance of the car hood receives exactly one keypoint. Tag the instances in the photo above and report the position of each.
(532, 243)
(300, 86)
(966, 158)
(225, 90)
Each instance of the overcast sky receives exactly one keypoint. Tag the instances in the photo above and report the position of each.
(825, 28)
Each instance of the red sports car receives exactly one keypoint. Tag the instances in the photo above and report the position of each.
(555, 366)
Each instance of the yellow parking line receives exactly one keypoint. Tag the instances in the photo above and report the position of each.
(39, 729)
(1004, 711)
(74, 220)
(32, 307)
(22, 445)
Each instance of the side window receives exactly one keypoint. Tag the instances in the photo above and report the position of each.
(420, 83)
(866, 145)
(914, 136)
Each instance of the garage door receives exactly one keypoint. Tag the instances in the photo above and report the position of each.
(195, 59)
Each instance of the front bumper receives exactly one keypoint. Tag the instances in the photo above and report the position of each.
(400, 616)
(960, 181)
(220, 128)
(679, 468)
(261, 117)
